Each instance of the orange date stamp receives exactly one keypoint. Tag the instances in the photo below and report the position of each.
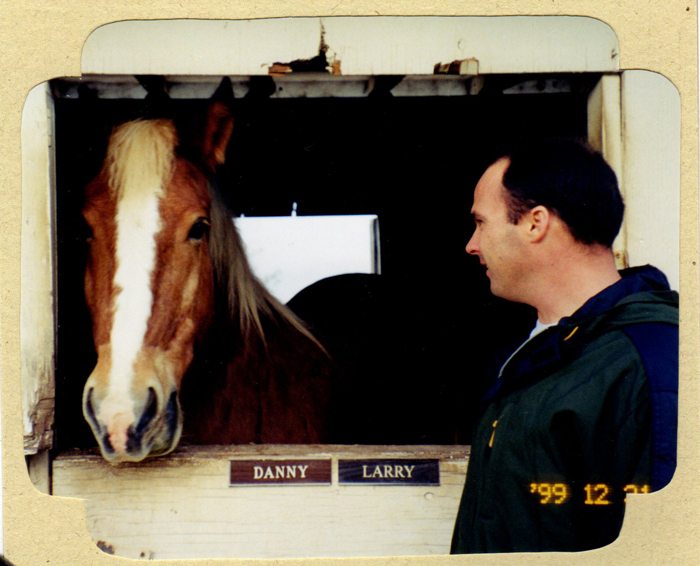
(558, 493)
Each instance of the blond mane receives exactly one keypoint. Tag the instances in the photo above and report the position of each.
(248, 300)
(140, 156)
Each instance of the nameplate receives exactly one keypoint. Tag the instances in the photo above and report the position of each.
(389, 472)
(280, 472)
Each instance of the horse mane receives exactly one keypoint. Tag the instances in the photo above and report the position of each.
(249, 302)
(141, 154)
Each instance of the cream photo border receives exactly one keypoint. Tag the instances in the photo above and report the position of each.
(43, 40)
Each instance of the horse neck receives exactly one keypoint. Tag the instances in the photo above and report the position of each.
(226, 381)
(226, 337)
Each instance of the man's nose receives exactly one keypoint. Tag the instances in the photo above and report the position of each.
(472, 245)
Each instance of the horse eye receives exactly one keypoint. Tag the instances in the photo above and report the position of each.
(85, 233)
(199, 229)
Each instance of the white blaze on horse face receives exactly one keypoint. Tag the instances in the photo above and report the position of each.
(138, 186)
(138, 223)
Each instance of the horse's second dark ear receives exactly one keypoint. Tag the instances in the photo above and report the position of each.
(218, 126)
(157, 102)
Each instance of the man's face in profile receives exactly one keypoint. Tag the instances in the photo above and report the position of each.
(498, 243)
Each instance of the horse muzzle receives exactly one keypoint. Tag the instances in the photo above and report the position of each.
(123, 437)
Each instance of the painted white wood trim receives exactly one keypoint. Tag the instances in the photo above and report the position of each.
(359, 45)
(37, 270)
(506, 44)
(652, 170)
(39, 468)
(199, 47)
(182, 506)
(605, 135)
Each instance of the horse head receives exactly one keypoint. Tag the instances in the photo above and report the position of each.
(149, 278)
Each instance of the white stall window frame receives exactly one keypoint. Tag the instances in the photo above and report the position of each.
(651, 170)
(38, 254)
(373, 45)
(634, 120)
(37, 270)
(605, 135)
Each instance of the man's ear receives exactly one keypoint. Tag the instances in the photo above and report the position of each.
(538, 222)
(218, 125)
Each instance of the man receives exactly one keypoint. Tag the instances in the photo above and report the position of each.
(585, 411)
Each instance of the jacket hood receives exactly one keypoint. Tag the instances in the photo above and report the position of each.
(641, 295)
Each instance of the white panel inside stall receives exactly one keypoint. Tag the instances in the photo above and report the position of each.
(289, 253)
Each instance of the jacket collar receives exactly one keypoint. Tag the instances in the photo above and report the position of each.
(553, 347)
(633, 280)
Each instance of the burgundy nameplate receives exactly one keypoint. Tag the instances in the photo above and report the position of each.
(280, 472)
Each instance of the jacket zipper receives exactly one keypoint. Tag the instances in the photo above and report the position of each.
(494, 424)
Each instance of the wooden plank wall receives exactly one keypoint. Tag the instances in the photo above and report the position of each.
(182, 506)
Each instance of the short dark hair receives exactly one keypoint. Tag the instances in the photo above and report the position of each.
(569, 178)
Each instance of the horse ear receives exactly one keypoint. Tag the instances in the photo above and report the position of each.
(157, 102)
(219, 125)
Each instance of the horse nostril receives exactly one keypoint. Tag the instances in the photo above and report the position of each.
(149, 412)
(171, 413)
(107, 444)
(90, 410)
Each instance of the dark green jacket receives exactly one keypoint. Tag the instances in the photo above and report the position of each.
(582, 413)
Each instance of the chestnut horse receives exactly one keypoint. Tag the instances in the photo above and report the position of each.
(188, 341)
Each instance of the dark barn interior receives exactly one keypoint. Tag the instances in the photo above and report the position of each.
(433, 335)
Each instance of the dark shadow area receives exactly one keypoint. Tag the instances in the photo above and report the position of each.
(419, 343)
